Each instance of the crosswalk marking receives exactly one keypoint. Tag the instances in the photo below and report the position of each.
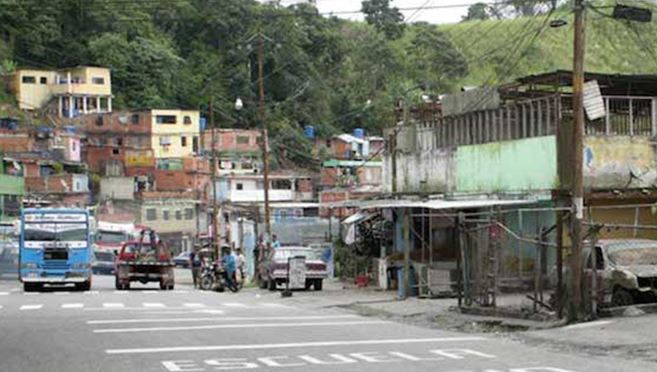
(113, 305)
(91, 292)
(271, 304)
(193, 304)
(235, 304)
(180, 291)
(153, 304)
(63, 293)
(31, 307)
(72, 306)
(4, 293)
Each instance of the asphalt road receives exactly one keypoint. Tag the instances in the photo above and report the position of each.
(145, 329)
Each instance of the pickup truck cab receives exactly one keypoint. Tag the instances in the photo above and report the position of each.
(274, 268)
(140, 261)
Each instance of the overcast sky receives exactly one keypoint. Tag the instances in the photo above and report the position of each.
(451, 12)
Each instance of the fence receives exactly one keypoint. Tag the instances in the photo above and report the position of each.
(521, 258)
(8, 252)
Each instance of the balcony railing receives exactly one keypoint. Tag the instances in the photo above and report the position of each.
(626, 116)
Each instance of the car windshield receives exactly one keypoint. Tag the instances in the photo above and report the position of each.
(633, 254)
(284, 254)
(104, 256)
(110, 237)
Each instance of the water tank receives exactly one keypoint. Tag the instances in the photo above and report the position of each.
(359, 133)
(203, 123)
(309, 131)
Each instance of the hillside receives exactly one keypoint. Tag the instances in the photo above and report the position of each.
(499, 50)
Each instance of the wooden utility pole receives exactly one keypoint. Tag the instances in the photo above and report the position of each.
(265, 139)
(216, 236)
(577, 203)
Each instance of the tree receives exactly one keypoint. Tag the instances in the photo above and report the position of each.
(385, 19)
(477, 12)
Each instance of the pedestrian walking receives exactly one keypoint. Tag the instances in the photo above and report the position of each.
(195, 266)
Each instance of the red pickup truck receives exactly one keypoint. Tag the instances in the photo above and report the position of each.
(140, 261)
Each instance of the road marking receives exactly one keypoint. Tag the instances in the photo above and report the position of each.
(153, 304)
(193, 304)
(15, 290)
(234, 326)
(113, 305)
(4, 293)
(31, 307)
(271, 304)
(72, 306)
(588, 324)
(180, 291)
(184, 310)
(235, 304)
(62, 293)
(91, 292)
(31, 294)
(222, 319)
(291, 345)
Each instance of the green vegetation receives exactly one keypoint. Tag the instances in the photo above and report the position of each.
(319, 71)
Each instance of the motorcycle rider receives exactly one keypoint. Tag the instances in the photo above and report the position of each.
(229, 264)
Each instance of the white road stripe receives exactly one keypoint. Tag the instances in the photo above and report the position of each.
(180, 291)
(234, 326)
(153, 304)
(217, 319)
(235, 304)
(62, 293)
(270, 304)
(4, 293)
(292, 345)
(113, 305)
(161, 310)
(91, 292)
(193, 304)
(588, 324)
(72, 306)
(31, 307)
(15, 290)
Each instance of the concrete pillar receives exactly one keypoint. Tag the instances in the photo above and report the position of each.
(84, 104)
(98, 105)
(109, 104)
(69, 88)
(60, 106)
(70, 105)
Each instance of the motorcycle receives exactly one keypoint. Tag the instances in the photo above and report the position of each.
(214, 277)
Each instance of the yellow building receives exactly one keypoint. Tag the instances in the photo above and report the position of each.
(72, 91)
(175, 133)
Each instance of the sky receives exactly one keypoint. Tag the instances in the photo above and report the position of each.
(451, 11)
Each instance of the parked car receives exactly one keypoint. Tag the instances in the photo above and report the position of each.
(273, 269)
(626, 271)
(182, 260)
(104, 263)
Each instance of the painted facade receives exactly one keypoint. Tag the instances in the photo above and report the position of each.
(175, 133)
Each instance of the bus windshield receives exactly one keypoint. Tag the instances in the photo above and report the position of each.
(55, 232)
(111, 237)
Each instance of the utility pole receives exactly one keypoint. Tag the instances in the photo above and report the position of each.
(265, 139)
(577, 203)
(215, 212)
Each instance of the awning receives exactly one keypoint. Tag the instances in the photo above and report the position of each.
(435, 204)
(358, 217)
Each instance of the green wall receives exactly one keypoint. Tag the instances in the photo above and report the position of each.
(11, 185)
(520, 165)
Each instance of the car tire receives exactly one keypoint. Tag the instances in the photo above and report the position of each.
(318, 285)
(30, 287)
(262, 284)
(622, 297)
(83, 286)
(271, 283)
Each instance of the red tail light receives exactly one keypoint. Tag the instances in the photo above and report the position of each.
(125, 256)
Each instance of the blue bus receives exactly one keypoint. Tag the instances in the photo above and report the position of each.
(55, 248)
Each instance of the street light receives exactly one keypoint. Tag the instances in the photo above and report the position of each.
(239, 104)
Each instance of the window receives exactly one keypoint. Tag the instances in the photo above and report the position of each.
(183, 141)
(165, 141)
(281, 185)
(239, 186)
(187, 120)
(98, 80)
(166, 119)
(151, 214)
(242, 140)
(195, 144)
(43, 80)
(189, 213)
(74, 146)
(115, 151)
(165, 215)
(119, 141)
(99, 120)
(134, 119)
(29, 80)
(179, 215)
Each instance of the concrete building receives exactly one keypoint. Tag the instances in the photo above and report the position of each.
(71, 91)
(175, 133)
(238, 151)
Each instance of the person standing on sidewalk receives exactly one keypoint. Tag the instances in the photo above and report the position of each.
(195, 266)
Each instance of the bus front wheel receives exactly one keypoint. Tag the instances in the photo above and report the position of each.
(31, 287)
(83, 286)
